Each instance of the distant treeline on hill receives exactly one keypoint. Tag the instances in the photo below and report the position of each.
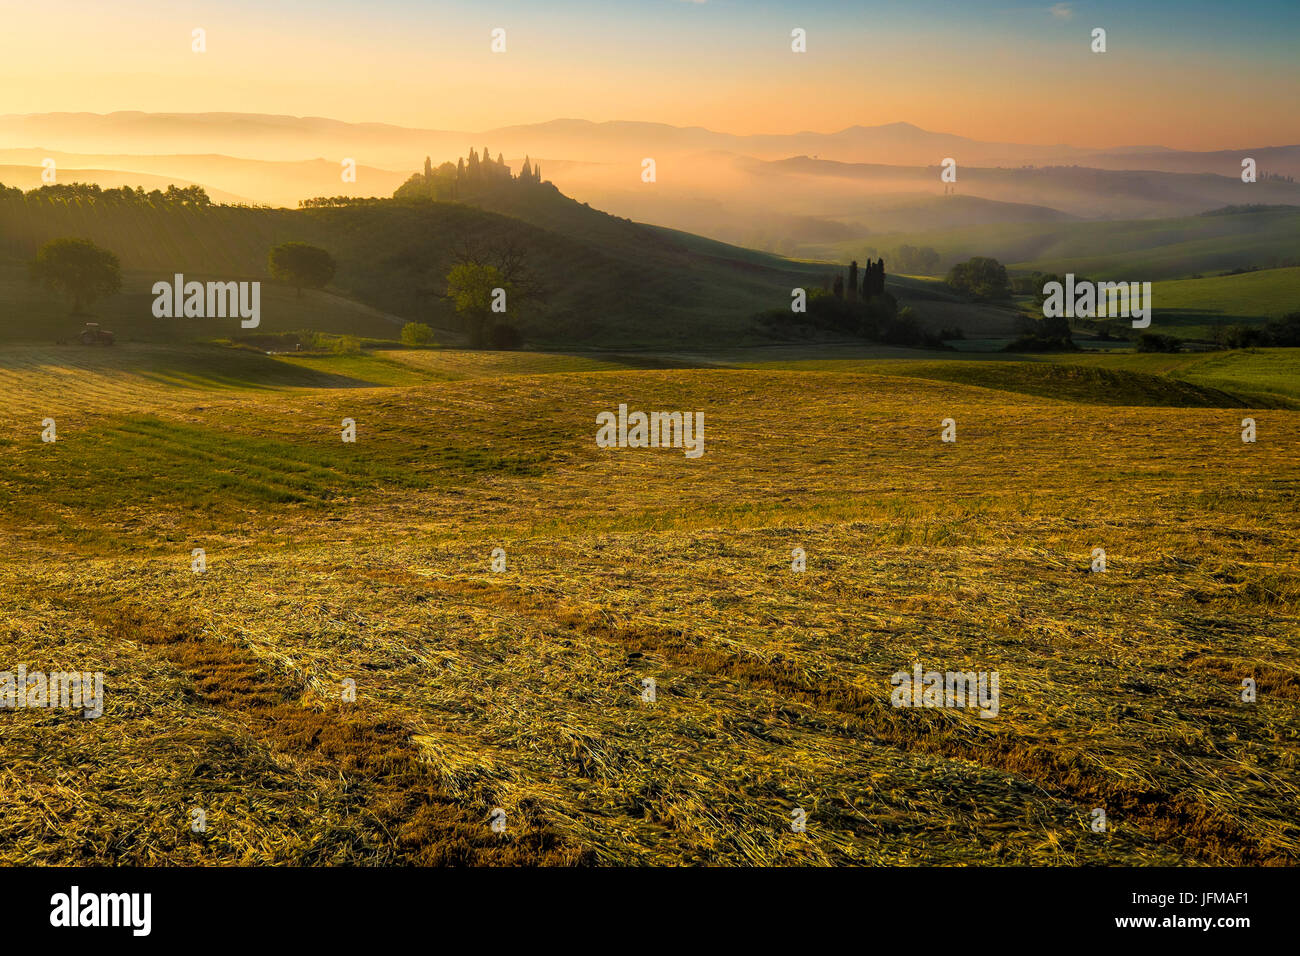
(89, 193)
(336, 202)
(467, 176)
(908, 259)
(1252, 207)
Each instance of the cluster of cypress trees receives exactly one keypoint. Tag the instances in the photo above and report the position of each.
(872, 283)
(468, 175)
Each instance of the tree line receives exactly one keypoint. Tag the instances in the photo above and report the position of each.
(91, 193)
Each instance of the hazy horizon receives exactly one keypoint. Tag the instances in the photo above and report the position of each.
(1179, 81)
(629, 121)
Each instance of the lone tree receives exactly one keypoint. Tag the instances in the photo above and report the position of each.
(472, 287)
(79, 269)
(301, 265)
(480, 270)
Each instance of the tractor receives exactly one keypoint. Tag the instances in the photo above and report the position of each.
(94, 335)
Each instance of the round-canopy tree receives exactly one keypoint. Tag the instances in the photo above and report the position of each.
(302, 265)
(472, 287)
(980, 278)
(78, 269)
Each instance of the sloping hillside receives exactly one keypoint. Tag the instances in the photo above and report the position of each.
(604, 280)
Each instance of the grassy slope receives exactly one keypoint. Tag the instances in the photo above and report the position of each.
(1265, 372)
(1257, 377)
(30, 314)
(1192, 307)
(652, 288)
(1143, 249)
(521, 690)
(606, 281)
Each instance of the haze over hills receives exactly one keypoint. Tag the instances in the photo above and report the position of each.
(788, 193)
(235, 179)
(29, 177)
(741, 191)
(260, 136)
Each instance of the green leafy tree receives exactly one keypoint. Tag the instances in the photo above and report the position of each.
(482, 267)
(301, 265)
(78, 269)
(471, 287)
(980, 278)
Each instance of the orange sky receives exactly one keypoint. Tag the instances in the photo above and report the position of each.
(1029, 79)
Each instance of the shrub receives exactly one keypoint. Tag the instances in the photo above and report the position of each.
(1154, 342)
(1244, 337)
(417, 334)
(1285, 331)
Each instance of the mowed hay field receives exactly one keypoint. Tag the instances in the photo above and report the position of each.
(522, 690)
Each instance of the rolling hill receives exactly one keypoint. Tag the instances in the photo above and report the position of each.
(604, 280)
(1147, 249)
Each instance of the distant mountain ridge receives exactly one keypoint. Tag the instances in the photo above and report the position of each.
(280, 137)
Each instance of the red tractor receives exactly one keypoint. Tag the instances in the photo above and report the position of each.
(94, 335)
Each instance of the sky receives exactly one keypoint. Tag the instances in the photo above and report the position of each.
(1188, 75)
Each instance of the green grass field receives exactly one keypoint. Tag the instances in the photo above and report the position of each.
(1256, 377)
(1191, 308)
(1268, 373)
(521, 690)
